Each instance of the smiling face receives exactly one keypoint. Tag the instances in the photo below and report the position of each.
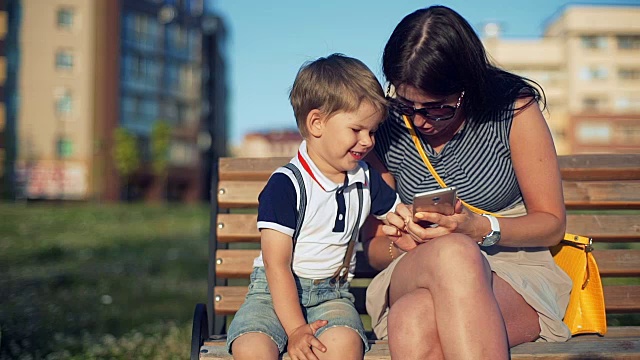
(412, 97)
(337, 142)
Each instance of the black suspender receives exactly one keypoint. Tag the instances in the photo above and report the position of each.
(343, 271)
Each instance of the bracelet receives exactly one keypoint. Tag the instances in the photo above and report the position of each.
(391, 250)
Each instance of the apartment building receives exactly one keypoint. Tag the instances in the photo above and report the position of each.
(603, 66)
(88, 68)
(270, 143)
(56, 90)
(588, 63)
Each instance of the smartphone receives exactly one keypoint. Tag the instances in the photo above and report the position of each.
(442, 201)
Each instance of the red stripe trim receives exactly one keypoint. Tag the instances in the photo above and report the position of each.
(305, 165)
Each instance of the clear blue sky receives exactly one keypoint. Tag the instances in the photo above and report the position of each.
(269, 40)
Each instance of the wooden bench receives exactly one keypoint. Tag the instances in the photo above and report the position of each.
(602, 194)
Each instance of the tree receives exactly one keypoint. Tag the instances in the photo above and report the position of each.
(125, 154)
(160, 142)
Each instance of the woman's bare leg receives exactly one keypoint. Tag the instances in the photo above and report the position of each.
(402, 326)
(457, 275)
(521, 320)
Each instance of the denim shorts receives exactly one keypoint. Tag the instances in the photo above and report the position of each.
(319, 299)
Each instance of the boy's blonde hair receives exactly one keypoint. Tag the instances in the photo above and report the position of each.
(332, 84)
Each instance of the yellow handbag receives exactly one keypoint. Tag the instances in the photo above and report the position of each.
(585, 312)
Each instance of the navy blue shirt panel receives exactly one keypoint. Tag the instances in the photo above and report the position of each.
(338, 225)
(278, 203)
(382, 195)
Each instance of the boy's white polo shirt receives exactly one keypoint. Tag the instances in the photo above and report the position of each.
(327, 227)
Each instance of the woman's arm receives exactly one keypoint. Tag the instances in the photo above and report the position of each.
(377, 242)
(536, 166)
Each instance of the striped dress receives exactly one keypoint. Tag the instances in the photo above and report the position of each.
(477, 160)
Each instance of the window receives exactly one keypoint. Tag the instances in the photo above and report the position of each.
(170, 110)
(64, 104)
(629, 42)
(64, 18)
(594, 103)
(593, 42)
(178, 37)
(183, 154)
(628, 104)
(172, 73)
(628, 133)
(64, 60)
(594, 73)
(64, 147)
(196, 7)
(589, 133)
(146, 30)
(629, 73)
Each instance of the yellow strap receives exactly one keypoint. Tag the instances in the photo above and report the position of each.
(416, 140)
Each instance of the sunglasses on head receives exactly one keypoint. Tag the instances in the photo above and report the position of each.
(434, 113)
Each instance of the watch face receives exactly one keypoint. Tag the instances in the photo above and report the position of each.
(491, 239)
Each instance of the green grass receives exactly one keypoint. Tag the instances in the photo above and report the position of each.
(110, 281)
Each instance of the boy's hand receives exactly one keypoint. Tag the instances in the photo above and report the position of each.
(303, 339)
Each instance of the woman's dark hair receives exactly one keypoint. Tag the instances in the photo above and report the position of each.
(436, 50)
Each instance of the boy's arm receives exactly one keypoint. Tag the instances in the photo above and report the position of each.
(276, 255)
(277, 249)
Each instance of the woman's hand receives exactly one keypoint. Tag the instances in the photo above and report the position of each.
(396, 228)
(428, 225)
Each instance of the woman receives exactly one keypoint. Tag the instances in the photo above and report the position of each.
(482, 131)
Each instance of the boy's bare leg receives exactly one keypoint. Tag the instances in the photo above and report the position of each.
(342, 343)
(254, 346)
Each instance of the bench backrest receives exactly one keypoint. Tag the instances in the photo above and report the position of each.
(602, 194)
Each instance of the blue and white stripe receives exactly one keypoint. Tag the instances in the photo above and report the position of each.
(477, 160)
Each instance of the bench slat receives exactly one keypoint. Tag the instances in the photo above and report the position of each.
(613, 332)
(577, 195)
(609, 167)
(598, 348)
(239, 194)
(228, 299)
(618, 298)
(601, 195)
(606, 228)
(622, 298)
(249, 168)
(236, 263)
(587, 167)
(603, 228)
(237, 228)
(618, 262)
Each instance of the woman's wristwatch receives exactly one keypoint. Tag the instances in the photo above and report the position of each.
(493, 237)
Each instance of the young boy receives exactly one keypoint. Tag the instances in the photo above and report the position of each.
(309, 215)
